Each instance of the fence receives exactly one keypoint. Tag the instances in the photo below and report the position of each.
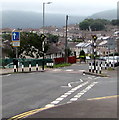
(25, 62)
(99, 66)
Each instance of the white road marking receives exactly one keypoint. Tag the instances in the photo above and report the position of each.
(81, 80)
(59, 99)
(69, 84)
(55, 102)
(90, 78)
(97, 77)
(69, 70)
(5, 75)
(57, 69)
(76, 97)
(49, 105)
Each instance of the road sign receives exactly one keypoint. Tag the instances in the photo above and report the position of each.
(15, 39)
(15, 36)
(16, 44)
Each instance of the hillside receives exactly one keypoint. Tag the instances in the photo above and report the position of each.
(108, 14)
(26, 19)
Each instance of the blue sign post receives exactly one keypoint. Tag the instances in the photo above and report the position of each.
(16, 41)
(15, 36)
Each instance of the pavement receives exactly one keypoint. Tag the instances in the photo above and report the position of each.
(105, 73)
(26, 70)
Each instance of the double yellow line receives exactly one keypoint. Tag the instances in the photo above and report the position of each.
(26, 114)
(106, 97)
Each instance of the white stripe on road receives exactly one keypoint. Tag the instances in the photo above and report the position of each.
(76, 97)
(59, 99)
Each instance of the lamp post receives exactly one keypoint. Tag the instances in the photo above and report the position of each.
(66, 49)
(43, 31)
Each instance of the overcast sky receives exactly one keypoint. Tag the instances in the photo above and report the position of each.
(69, 7)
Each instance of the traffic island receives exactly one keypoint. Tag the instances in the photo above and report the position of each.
(96, 74)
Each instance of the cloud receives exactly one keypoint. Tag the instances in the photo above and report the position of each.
(75, 7)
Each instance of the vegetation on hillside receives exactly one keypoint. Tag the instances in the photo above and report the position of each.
(94, 24)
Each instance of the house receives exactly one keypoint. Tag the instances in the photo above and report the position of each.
(86, 46)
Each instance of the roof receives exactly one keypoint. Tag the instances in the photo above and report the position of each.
(82, 44)
(103, 38)
(53, 50)
(103, 43)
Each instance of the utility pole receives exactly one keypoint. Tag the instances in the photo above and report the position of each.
(66, 49)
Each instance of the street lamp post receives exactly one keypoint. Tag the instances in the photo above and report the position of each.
(43, 31)
(66, 49)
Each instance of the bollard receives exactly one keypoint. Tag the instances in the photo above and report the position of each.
(100, 69)
(22, 68)
(105, 65)
(36, 66)
(29, 66)
(96, 67)
(52, 65)
(15, 68)
(93, 67)
(89, 67)
(110, 64)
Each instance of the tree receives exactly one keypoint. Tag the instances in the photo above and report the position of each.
(30, 45)
(97, 26)
(53, 38)
(84, 25)
(94, 24)
(115, 22)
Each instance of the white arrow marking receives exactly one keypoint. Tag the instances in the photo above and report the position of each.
(14, 35)
(69, 84)
(81, 80)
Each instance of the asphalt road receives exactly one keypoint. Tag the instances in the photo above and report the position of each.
(29, 91)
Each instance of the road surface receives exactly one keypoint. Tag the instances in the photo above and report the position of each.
(28, 91)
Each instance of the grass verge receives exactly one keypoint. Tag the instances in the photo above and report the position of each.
(62, 65)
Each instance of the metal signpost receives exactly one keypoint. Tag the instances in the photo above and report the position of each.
(16, 41)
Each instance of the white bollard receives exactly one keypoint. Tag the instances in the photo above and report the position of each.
(15, 68)
(22, 68)
(37, 67)
(29, 67)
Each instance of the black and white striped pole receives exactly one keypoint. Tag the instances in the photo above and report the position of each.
(30, 66)
(94, 50)
(96, 67)
(37, 66)
(15, 68)
(90, 67)
(105, 65)
(22, 68)
(100, 68)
